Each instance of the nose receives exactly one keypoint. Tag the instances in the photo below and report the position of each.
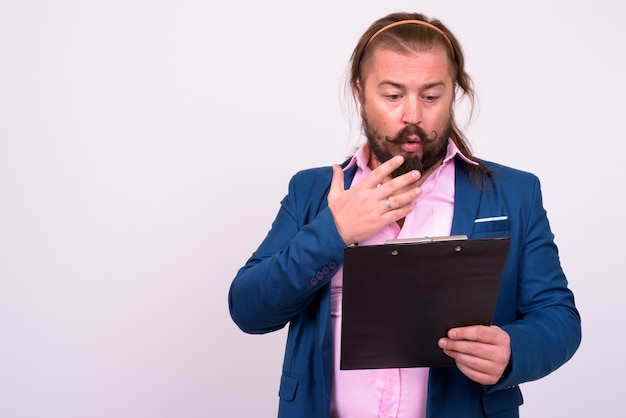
(412, 112)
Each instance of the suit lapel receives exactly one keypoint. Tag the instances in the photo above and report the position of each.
(466, 201)
(348, 175)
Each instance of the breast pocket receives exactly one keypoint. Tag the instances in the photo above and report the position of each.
(495, 226)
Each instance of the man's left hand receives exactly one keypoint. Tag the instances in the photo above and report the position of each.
(482, 353)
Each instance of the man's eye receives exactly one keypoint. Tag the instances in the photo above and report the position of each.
(393, 97)
(430, 99)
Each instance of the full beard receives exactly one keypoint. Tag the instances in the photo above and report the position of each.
(434, 147)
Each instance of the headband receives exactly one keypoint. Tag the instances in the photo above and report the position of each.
(406, 22)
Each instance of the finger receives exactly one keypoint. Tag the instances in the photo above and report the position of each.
(478, 375)
(402, 197)
(470, 362)
(406, 182)
(482, 362)
(337, 182)
(478, 368)
(383, 171)
(481, 333)
(459, 349)
(499, 354)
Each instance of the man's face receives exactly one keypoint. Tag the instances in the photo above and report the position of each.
(406, 103)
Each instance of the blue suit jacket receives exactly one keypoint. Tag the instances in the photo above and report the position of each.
(287, 281)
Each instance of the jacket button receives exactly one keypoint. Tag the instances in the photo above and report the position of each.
(313, 281)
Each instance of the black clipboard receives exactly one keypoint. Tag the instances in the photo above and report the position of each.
(400, 298)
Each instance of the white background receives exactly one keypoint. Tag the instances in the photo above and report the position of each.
(145, 146)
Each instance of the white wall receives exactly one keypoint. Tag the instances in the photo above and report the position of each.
(145, 146)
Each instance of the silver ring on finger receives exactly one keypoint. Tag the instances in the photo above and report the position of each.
(388, 203)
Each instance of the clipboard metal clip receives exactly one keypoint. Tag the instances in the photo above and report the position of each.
(425, 240)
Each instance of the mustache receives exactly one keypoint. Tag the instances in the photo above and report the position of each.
(412, 130)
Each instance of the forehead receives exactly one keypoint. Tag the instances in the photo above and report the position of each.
(426, 66)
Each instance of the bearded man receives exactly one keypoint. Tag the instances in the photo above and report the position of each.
(414, 176)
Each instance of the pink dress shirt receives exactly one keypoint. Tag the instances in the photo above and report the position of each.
(391, 393)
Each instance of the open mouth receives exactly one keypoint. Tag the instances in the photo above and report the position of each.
(410, 146)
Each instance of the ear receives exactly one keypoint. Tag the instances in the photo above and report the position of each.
(360, 92)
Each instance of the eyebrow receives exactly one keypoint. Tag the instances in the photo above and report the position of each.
(402, 86)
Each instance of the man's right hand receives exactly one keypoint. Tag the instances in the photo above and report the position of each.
(362, 210)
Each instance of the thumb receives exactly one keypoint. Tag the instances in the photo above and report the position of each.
(337, 182)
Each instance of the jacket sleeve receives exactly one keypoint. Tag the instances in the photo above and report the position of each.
(299, 256)
(547, 328)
